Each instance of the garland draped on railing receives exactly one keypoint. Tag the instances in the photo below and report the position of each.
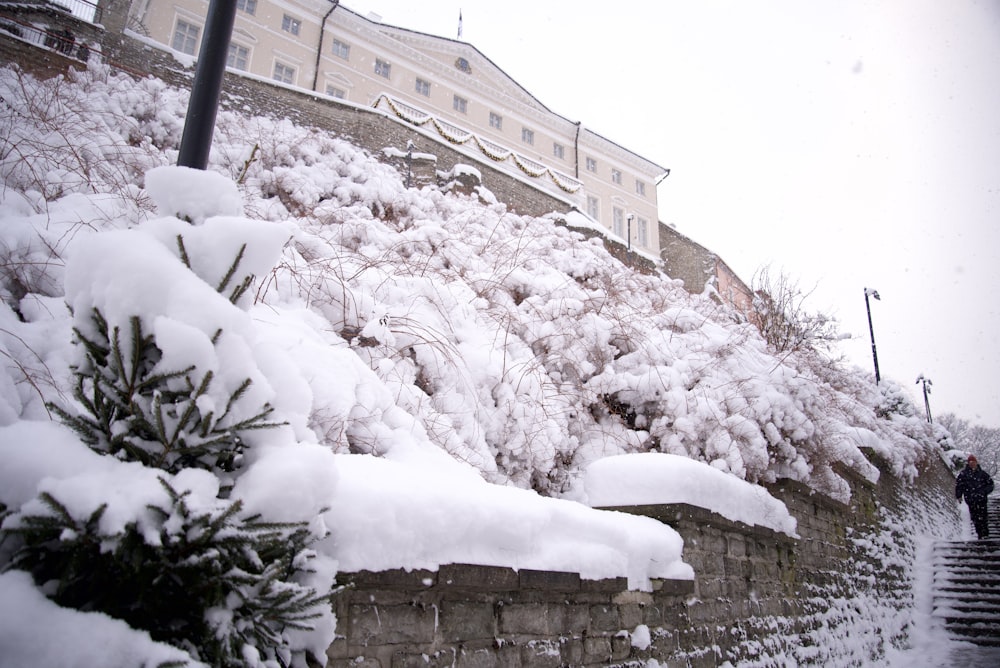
(493, 151)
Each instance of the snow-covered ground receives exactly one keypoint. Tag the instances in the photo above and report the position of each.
(453, 382)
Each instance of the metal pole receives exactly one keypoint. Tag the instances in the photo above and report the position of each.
(927, 404)
(199, 124)
(871, 330)
(927, 390)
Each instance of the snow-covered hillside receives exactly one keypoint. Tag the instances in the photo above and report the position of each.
(434, 364)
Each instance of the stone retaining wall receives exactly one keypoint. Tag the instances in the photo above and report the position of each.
(754, 589)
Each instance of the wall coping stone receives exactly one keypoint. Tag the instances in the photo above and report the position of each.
(673, 514)
(478, 577)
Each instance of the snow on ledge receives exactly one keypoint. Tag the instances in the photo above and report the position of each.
(655, 478)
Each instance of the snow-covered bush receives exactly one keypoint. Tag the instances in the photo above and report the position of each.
(169, 387)
(194, 571)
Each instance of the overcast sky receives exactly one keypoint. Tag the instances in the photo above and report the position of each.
(847, 144)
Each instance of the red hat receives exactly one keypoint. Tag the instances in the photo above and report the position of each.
(972, 458)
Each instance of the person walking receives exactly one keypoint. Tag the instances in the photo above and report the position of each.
(975, 485)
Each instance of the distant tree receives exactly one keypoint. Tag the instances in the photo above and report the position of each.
(983, 442)
(778, 310)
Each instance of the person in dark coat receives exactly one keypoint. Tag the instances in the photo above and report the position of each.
(975, 485)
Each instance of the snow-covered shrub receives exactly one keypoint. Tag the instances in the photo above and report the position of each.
(194, 572)
(170, 390)
(778, 309)
(138, 411)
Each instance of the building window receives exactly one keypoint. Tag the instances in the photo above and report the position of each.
(496, 121)
(284, 73)
(248, 6)
(616, 176)
(527, 136)
(642, 233)
(591, 165)
(382, 68)
(593, 207)
(185, 37)
(618, 222)
(341, 50)
(239, 57)
(640, 187)
(558, 150)
(460, 104)
(289, 24)
(333, 91)
(423, 87)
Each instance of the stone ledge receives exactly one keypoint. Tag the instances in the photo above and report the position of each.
(674, 514)
(476, 577)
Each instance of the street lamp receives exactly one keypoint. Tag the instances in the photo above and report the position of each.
(871, 330)
(927, 390)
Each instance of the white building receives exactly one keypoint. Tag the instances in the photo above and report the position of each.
(444, 85)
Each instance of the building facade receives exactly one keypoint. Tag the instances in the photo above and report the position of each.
(446, 86)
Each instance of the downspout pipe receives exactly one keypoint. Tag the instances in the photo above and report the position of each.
(319, 47)
(576, 152)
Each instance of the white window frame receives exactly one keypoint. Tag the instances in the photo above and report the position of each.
(290, 24)
(618, 221)
(558, 150)
(594, 207)
(338, 93)
(383, 68)
(528, 136)
(640, 188)
(591, 165)
(496, 121)
(460, 104)
(341, 49)
(642, 232)
(288, 72)
(247, 6)
(423, 87)
(185, 42)
(616, 176)
(233, 58)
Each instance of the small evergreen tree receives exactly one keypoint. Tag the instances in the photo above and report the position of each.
(137, 413)
(203, 576)
(211, 582)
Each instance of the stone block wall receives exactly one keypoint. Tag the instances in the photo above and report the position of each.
(754, 589)
(468, 615)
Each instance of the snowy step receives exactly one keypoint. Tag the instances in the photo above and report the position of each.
(965, 594)
(981, 635)
(985, 578)
(966, 588)
(987, 610)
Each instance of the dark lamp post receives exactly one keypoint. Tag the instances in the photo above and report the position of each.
(199, 124)
(871, 330)
(927, 390)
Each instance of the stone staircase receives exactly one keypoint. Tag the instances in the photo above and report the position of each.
(967, 587)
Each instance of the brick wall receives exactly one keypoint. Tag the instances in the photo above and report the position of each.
(753, 588)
